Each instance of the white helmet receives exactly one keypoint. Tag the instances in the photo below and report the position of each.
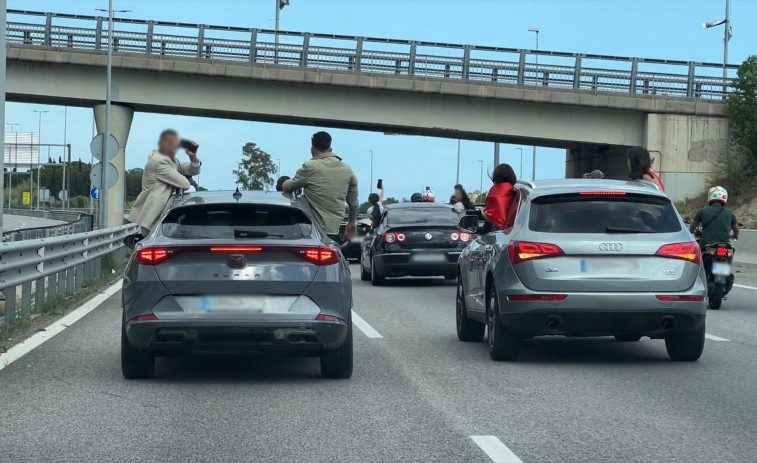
(717, 193)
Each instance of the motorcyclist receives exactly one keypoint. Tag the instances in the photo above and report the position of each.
(717, 222)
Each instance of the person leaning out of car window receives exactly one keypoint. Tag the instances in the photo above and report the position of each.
(163, 175)
(460, 201)
(500, 196)
(640, 166)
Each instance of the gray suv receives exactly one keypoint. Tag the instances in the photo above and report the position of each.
(584, 258)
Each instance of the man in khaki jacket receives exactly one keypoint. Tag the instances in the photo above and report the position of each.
(327, 183)
(162, 176)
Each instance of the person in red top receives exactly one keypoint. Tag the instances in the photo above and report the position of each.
(500, 196)
(640, 166)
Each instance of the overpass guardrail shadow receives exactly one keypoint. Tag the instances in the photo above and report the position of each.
(76, 222)
(48, 268)
(591, 72)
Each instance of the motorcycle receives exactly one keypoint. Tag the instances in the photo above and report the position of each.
(718, 259)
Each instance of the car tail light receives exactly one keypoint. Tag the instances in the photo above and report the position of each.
(144, 318)
(152, 256)
(236, 248)
(722, 252)
(685, 251)
(603, 193)
(522, 251)
(536, 297)
(390, 237)
(463, 237)
(322, 255)
(674, 298)
(329, 318)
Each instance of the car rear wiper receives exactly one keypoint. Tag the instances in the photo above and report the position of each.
(610, 229)
(253, 234)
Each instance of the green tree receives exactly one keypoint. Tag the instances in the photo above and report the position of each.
(741, 108)
(133, 183)
(255, 170)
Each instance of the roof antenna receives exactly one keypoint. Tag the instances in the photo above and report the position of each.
(237, 195)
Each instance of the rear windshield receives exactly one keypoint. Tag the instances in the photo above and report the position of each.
(603, 214)
(235, 221)
(433, 216)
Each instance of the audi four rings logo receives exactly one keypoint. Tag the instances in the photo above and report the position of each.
(610, 247)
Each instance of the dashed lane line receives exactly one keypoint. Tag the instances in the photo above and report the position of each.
(495, 449)
(363, 326)
(745, 287)
(712, 337)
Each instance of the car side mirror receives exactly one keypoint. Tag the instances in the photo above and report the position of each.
(468, 224)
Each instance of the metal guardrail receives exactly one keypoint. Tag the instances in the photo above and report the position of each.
(47, 267)
(76, 222)
(601, 73)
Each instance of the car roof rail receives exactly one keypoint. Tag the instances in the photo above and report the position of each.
(524, 182)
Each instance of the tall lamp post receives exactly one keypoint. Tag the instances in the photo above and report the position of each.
(10, 170)
(371, 151)
(533, 155)
(481, 177)
(106, 133)
(280, 4)
(39, 146)
(521, 162)
(728, 33)
(457, 175)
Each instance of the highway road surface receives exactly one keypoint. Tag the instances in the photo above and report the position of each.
(417, 395)
(20, 222)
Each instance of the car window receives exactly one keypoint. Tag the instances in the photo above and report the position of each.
(514, 209)
(235, 221)
(624, 213)
(434, 216)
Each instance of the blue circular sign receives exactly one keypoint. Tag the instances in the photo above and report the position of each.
(95, 193)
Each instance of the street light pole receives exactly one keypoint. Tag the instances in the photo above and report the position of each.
(39, 146)
(108, 79)
(371, 151)
(521, 162)
(727, 34)
(533, 155)
(280, 4)
(481, 179)
(457, 176)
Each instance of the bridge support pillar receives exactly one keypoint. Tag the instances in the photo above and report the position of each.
(120, 124)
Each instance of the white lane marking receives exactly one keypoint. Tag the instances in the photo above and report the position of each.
(712, 337)
(19, 350)
(745, 287)
(495, 449)
(364, 326)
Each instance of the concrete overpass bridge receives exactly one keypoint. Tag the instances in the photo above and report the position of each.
(592, 105)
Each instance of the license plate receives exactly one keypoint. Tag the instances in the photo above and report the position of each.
(721, 268)
(428, 258)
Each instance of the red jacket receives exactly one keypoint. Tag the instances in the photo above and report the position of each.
(498, 202)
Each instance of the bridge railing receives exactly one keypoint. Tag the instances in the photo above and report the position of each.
(599, 73)
(48, 267)
(75, 222)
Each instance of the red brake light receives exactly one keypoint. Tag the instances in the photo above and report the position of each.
(401, 237)
(536, 297)
(389, 238)
(236, 248)
(321, 255)
(454, 236)
(521, 251)
(722, 252)
(144, 318)
(457, 236)
(465, 237)
(151, 256)
(685, 251)
(329, 318)
(672, 298)
(603, 193)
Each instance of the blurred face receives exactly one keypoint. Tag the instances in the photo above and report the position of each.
(458, 195)
(168, 145)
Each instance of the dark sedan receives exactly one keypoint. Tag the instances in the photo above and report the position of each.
(413, 239)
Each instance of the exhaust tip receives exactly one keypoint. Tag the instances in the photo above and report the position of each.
(668, 323)
(553, 323)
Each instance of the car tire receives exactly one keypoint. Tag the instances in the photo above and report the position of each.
(685, 347)
(376, 278)
(337, 363)
(503, 344)
(627, 338)
(365, 275)
(135, 363)
(467, 330)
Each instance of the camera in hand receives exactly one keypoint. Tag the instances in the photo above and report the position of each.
(380, 184)
(188, 145)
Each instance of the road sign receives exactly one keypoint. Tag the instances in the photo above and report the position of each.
(96, 146)
(96, 174)
(27, 198)
(44, 195)
(95, 193)
(63, 195)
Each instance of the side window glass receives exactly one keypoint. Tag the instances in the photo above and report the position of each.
(514, 209)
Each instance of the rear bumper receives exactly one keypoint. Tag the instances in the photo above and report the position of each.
(235, 336)
(605, 314)
(403, 264)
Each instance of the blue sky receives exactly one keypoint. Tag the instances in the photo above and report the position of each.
(669, 29)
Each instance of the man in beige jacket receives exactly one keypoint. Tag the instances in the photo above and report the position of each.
(162, 176)
(327, 183)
